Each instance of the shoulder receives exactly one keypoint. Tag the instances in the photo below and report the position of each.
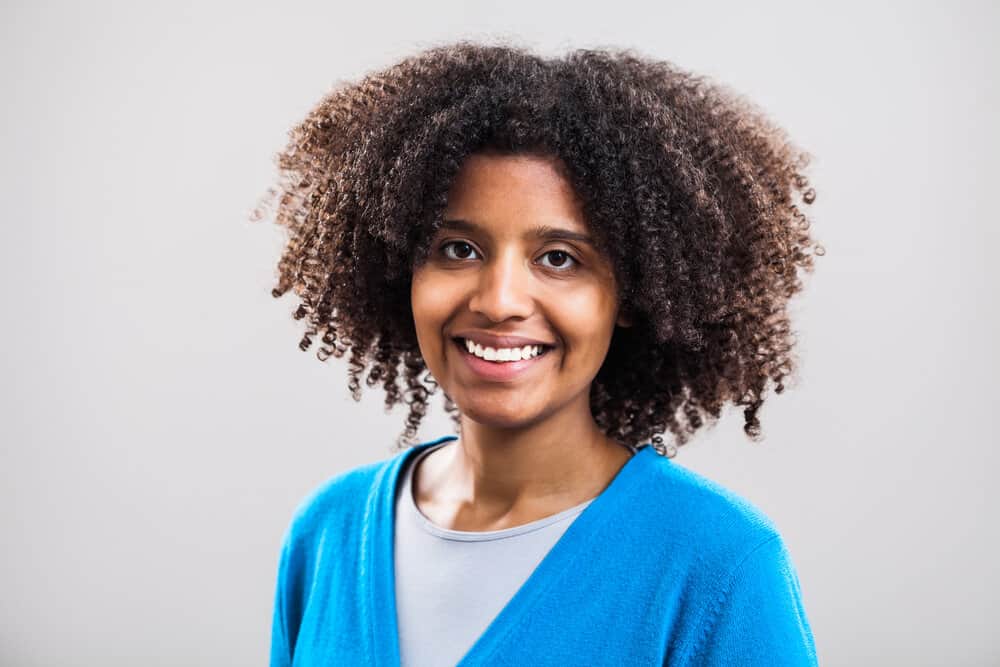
(746, 596)
(341, 503)
(733, 565)
(722, 526)
(336, 503)
(325, 526)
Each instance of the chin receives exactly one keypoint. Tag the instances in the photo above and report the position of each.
(506, 417)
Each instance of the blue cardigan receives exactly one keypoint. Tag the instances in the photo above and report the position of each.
(663, 568)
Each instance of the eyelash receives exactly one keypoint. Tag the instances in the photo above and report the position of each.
(575, 262)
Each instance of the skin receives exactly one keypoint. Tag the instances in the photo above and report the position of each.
(529, 447)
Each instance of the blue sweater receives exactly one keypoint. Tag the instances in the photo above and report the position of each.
(663, 568)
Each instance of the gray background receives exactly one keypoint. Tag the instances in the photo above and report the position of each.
(159, 423)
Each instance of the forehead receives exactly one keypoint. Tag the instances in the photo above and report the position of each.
(514, 191)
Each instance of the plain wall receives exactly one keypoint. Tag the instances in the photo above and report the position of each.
(159, 423)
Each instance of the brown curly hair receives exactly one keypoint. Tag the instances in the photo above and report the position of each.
(690, 191)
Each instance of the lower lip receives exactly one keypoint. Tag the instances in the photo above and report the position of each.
(499, 371)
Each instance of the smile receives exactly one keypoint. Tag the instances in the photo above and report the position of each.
(500, 363)
(503, 354)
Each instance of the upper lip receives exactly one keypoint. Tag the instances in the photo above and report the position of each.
(493, 340)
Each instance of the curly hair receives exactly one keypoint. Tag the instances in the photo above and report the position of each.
(689, 190)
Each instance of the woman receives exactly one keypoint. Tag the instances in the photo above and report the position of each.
(583, 253)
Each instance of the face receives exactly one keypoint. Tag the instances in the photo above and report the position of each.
(513, 271)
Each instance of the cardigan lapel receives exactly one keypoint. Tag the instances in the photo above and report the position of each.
(378, 577)
(377, 560)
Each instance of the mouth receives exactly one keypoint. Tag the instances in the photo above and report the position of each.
(503, 363)
(502, 355)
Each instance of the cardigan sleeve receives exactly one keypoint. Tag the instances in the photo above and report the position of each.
(281, 653)
(759, 619)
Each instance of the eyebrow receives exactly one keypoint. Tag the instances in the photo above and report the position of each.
(543, 232)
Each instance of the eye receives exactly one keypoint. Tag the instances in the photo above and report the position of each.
(560, 260)
(462, 250)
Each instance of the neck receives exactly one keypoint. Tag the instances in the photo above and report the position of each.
(563, 460)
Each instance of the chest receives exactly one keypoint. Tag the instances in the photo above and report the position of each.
(588, 601)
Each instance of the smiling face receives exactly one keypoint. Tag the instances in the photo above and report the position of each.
(511, 270)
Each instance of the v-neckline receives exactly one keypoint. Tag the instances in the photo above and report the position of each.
(378, 560)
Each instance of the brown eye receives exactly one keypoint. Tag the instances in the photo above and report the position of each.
(462, 250)
(560, 259)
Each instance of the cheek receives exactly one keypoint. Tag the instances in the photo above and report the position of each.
(586, 321)
(431, 304)
(422, 305)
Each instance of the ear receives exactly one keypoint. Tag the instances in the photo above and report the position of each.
(624, 319)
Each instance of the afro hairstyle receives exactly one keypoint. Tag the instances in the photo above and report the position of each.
(690, 191)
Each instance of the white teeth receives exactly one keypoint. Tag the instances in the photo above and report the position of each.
(503, 353)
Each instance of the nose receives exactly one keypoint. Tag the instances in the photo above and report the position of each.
(504, 289)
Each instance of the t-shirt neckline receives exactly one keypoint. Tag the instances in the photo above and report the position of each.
(483, 535)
